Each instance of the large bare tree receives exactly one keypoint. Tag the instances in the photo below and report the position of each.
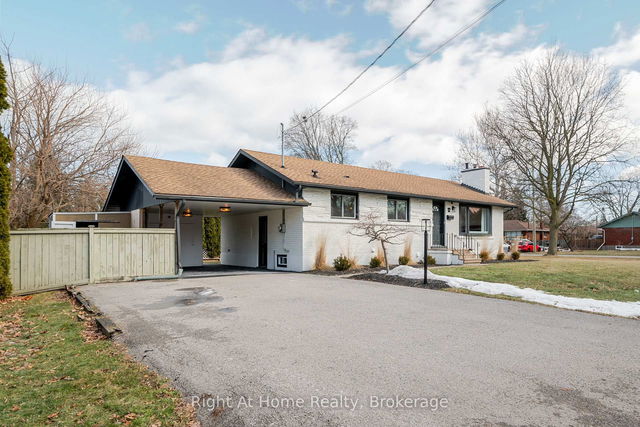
(477, 146)
(559, 121)
(67, 140)
(617, 196)
(320, 137)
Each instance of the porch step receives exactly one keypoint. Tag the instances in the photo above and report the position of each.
(468, 256)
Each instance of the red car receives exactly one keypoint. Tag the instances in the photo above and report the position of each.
(527, 246)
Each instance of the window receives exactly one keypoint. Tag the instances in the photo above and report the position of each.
(475, 220)
(398, 209)
(343, 205)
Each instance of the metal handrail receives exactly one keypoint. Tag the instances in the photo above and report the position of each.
(461, 244)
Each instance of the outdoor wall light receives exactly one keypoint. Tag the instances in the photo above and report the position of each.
(187, 212)
(225, 209)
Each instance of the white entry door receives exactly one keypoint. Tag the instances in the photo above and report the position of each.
(191, 241)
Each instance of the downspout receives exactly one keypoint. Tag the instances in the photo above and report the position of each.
(604, 239)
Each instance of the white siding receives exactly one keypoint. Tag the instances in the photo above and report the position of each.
(319, 227)
(239, 239)
(491, 243)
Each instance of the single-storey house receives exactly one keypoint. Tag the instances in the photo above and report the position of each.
(287, 213)
(517, 230)
(622, 231)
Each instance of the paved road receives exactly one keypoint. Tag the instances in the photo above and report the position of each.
(463, 360)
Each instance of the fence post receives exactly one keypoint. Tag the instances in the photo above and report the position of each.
(90, 256)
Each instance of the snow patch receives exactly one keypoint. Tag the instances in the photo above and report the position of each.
(617, 308)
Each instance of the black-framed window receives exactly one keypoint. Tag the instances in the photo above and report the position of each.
(475, 219)
(397, 209)
(344, 205)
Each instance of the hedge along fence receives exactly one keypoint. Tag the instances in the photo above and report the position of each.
(51, 259)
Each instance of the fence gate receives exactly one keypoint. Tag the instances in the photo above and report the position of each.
(53, 258)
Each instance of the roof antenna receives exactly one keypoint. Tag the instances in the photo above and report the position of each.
(282, 144)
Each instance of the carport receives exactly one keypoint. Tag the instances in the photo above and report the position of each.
(255, 211)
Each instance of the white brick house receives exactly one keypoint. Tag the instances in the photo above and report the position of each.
(280, 217)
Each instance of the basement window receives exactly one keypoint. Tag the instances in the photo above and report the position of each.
(343, 205)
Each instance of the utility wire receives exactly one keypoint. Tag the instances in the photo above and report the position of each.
(372, 63)
(430, 54)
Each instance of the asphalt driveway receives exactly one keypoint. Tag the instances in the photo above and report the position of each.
(268, 348)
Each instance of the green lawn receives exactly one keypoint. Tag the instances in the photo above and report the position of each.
(602, 253)
(598, 278)
(56, 369)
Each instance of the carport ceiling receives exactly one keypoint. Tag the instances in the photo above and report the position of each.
(211, 208)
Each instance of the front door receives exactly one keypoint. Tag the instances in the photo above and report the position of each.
(262, 242)
(438, 223)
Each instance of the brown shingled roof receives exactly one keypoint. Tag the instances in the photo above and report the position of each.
(167, 177)
(358, 178)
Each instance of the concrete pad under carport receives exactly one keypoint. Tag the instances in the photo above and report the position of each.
(218, 270)
(299, 335)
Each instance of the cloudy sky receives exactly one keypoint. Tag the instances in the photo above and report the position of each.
(202, 79)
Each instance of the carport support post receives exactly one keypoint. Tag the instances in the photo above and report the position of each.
(178, 209)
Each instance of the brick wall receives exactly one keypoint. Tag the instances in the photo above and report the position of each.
(622, 236)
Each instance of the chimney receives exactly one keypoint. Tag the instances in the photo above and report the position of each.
(476, 177)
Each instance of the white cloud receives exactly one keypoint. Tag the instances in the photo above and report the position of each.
(624, 52)
(191, 26)
(139, 32)
(238, 98)
(441, 20)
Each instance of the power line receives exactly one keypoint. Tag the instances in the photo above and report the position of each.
(372, 63)
(430, 54)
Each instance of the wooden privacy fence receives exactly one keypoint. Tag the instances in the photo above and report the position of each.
(50, 259)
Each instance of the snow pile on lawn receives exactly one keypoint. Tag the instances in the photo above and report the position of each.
(618, 308)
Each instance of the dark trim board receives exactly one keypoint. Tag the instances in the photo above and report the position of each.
(263, 241)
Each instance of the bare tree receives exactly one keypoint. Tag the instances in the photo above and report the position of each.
(385, 165)
(320, 137)
(617, 197)
(575, 228)
(67, 140)
(477, 146)
(372, 226)
(559, 121)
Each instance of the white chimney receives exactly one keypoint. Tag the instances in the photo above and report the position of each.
(476, 177)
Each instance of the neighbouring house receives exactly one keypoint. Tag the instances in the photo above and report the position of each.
(518, 230)
(622, 231)
(87, 219)
(286, 213)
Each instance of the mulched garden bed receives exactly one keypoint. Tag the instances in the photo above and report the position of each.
(332, 272)
(402, 281)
